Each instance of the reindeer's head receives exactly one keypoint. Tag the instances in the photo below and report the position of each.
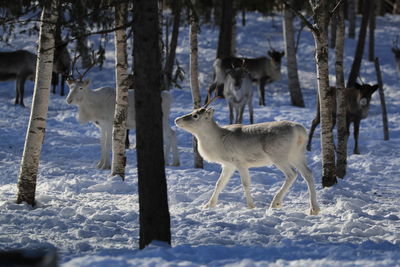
(62, 59)
(237, 75)
(396, 49)
(276, 56)
(195, 120)
(365, 92)
(77, 90)
(78, 85)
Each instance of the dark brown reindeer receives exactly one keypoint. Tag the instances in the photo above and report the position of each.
(20, 66)
(358, 99)
(262, 70)
(61, 67)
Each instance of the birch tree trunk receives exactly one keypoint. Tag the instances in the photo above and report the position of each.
(121, 105)
(154, 215)
(290, 50)
(341, 151)
(37, 121)
(321, 17)
(351, 11)
(194, 77)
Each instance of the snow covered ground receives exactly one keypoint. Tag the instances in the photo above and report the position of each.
(92, 218)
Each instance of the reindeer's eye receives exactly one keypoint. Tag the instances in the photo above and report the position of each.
(195, 116)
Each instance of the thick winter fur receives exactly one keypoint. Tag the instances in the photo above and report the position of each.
(358, 100)
(98, 106)
(238, 93)
(20, 66)
(396, 52)
(262, 70)
(239, 147)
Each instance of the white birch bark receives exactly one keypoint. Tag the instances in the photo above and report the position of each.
(37, 121)
(121, 105)
(341, 150)
(194, 77)
(325, 95)
(290, 50)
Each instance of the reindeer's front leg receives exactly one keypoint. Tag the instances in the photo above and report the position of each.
(223, 179)
(356, 132)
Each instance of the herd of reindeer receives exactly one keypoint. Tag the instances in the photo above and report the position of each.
(235, 146)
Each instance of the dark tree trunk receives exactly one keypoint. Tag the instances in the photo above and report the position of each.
(153, 199)
(225, 30)
(383, 102)
(351, 14)
(290, 50)
(371, 26)
(169, 64)
(355, 68)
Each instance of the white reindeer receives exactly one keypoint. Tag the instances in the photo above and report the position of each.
(98, 106)
(262, 70)
(238, 92)
(239, 147)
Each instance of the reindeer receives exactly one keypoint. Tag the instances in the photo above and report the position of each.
(358, 99)
(238, 92)
(262, 70)
(240, 147)
(20, 66)
(396, 52)
(98, 106)
(61, 67)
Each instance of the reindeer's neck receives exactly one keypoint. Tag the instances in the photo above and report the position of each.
(209, 142)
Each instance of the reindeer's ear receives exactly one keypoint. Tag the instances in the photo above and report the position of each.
(357, 86)
(282, 53)
(374, 88)
(209, 113)
(70, 81)
(86, 82)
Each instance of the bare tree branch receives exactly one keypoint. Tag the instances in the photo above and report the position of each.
(301, 16)
(335, 8)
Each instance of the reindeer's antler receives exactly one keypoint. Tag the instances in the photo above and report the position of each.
(71, 74)
(210, 100)
(94, 62)
(361, 80)
(395, 43)
(269, 44)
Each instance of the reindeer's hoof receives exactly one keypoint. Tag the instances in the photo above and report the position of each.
(251, 206)
(176, 164)
(356, 152)
(314, 211)
(276, 205)
(209, 205)
(103, 166)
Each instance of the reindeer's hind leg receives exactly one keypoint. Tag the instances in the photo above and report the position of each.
(307, 176)
(290, 177)
(20, 90)
(261, 92)
(314, 125)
